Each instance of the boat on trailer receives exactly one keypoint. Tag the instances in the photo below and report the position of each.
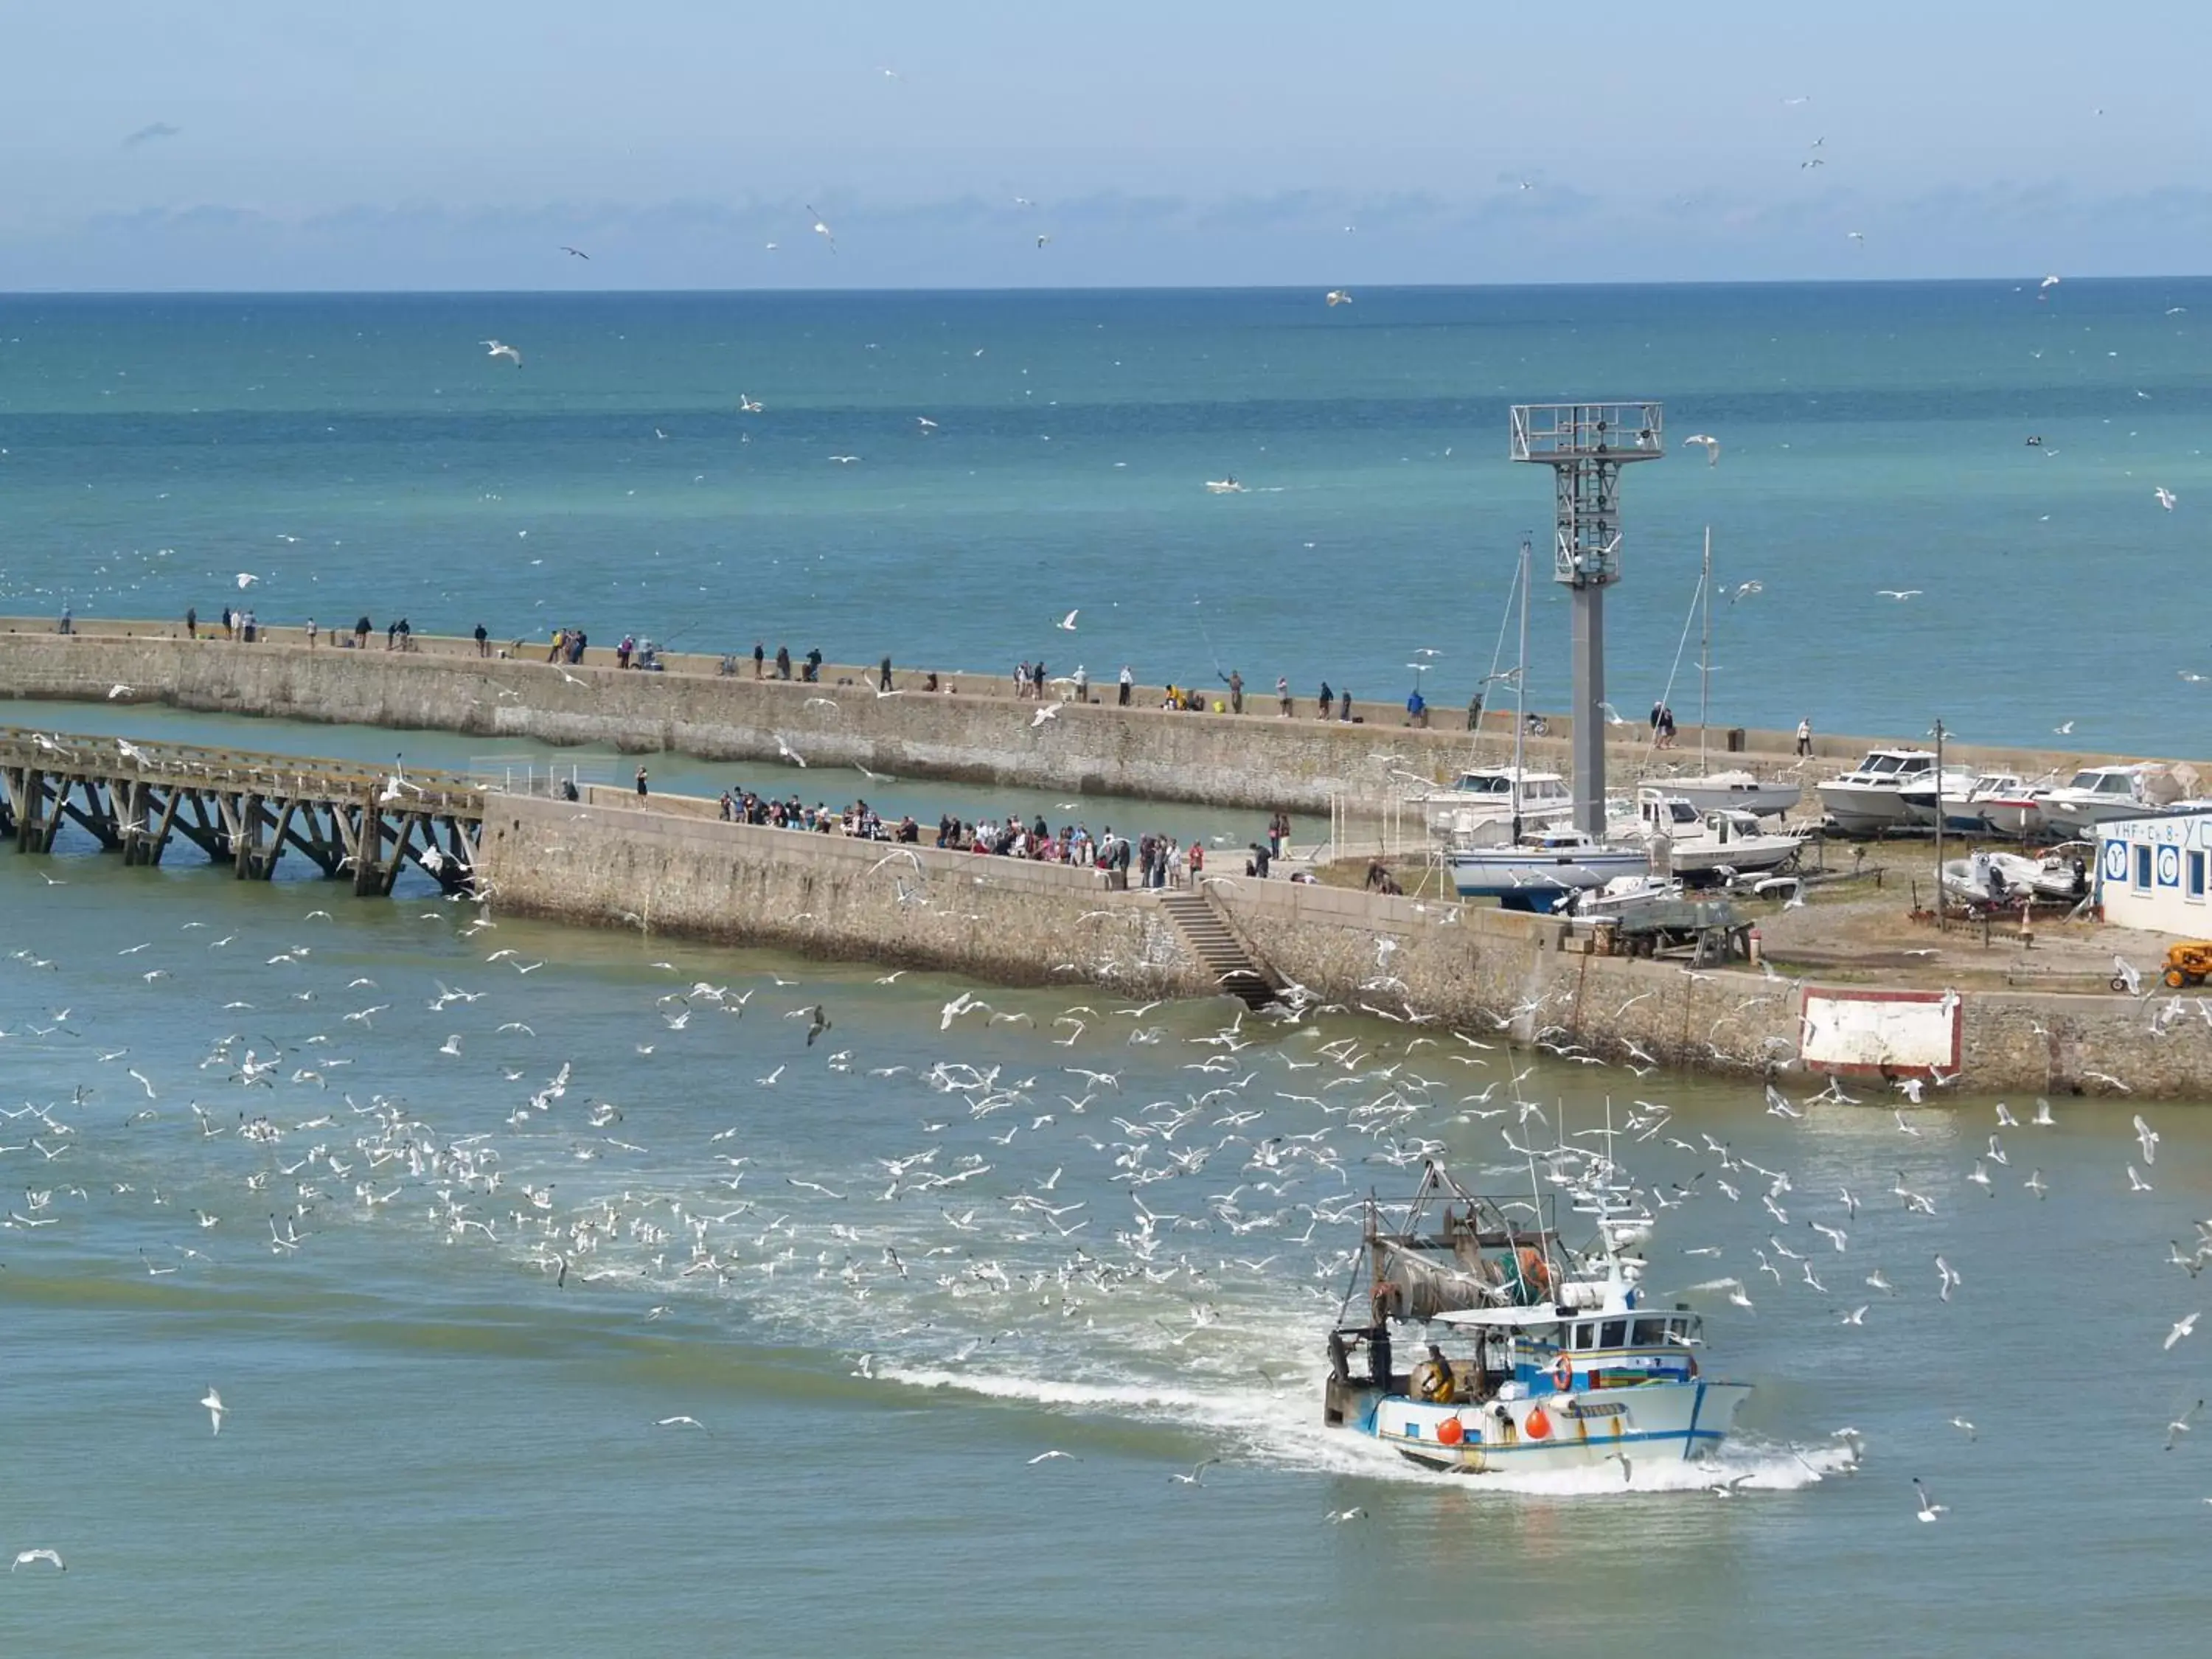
(1536, 1359)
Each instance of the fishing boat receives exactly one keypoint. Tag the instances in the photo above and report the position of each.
(1869, 798)
(1536, 1359)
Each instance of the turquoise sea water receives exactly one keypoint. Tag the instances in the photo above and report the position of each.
(432, 1446)
(364, 454)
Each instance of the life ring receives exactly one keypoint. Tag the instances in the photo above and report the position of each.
(1562, 1373)
(1451, 1432)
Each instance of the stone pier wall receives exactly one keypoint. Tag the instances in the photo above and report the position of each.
(1001, 919)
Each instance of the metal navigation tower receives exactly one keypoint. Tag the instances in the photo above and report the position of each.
(1586, 446)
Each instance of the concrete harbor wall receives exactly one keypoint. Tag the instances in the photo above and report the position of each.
(1500, 977)
(977, 734)
(1003, 920)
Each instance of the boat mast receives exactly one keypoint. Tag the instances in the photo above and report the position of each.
(1705, 649)
(1521, 695)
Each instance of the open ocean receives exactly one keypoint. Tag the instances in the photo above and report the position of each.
(433, 1446)
(364, 454)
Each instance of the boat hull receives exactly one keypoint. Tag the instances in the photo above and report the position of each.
(1656, 1421)
(1524, 874)
(1744, 795)
(1860, 809)
(2016, 817)
(2073, 819)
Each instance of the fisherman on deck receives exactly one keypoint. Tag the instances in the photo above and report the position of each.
(1432, 1378)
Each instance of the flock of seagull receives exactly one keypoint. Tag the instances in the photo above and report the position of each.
(1007, 1218)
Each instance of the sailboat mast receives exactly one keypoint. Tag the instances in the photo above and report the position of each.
(1705, 651)
(1521, 694)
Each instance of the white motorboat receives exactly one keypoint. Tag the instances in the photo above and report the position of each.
(1869, 800)
(1922, 797)
(1535, 872)
(1480, 807)
(1685, 842)
(1995, 804)
(2098, 795)
(1741, 791)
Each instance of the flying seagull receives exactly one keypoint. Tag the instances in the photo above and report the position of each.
(147, 135)
(1068, 621)
(576, 251)
(1712, 446)
(2166, 498)
(214, 1407)
(500, 350)
(822, 230)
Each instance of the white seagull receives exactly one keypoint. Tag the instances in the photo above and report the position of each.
(1068, 621)
(1049, 712)
(498, 348)
(2182, 1327)
(28, 1558)
(1711, 445)
(1928, 1510)
(822, 230)
(215, 1408)
(2166, 498)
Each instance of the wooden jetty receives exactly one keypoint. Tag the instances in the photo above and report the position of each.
(241, 808)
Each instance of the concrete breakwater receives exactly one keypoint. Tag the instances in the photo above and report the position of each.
(1440, 967)
(1258, 761)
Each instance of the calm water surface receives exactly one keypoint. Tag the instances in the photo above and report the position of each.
(433, 1444)
(363, 454)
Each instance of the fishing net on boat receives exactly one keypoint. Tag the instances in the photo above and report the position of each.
(1409, 1285)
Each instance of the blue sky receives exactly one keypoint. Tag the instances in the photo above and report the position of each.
(402, 145)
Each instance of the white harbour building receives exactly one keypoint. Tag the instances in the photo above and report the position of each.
(2151, 872)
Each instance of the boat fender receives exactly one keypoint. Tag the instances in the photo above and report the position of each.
(1539, 1426)
(1451, 1432)
(1562, 1373)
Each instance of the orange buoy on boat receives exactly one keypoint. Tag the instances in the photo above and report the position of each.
(1539, 1425)
(1451, 1432)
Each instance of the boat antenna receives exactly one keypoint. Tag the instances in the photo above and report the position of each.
(1521, 695)
(1705, 651)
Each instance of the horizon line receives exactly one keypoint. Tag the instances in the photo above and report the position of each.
(1071, 288)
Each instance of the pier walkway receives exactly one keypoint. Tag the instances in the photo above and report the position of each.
(244, 809)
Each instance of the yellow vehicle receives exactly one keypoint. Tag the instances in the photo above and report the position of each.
(2189, 962)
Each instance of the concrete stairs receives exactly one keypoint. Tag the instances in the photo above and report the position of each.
(1217, 949)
